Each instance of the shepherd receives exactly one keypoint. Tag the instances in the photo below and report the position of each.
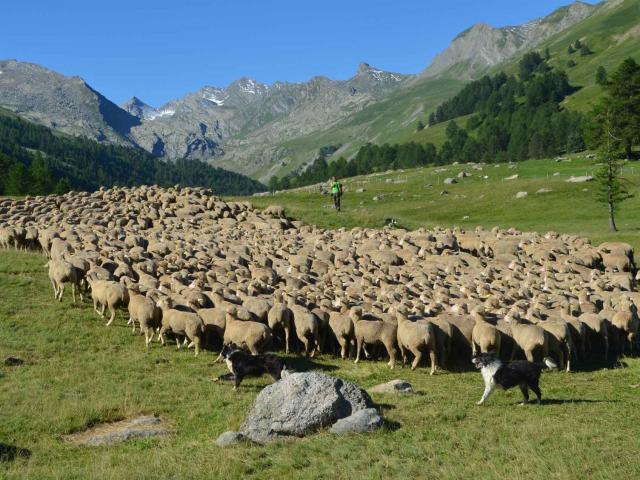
(336, 192)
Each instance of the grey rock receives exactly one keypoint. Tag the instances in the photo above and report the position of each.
(362, 421)
(512, 177)
(229, 438)
(300, 404)
(450, 181)
(108, 433)
(544, 190)
(394, 386)
(522, 194)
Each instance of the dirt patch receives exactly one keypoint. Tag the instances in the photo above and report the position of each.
(633, 32)
(104, 434)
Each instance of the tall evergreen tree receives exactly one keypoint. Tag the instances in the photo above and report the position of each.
(623, 100)
(612, 190)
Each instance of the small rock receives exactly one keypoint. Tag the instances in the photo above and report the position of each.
(394, 386)
(544, 190)
(582, 179)
(522, 195)
(13, 361)
(360, 190)
(512, 177)
(466, 217)
(362, 421)
(388, 180)
(450, 181)
(443, 193)
(556, 174)
(229, 438)
(464, 174)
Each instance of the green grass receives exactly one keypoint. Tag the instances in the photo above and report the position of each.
(78, 373)
(569, 208)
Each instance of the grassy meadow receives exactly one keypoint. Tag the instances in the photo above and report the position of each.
(414, 198)
(78, 372)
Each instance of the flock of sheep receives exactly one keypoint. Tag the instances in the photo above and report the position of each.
(186, 263)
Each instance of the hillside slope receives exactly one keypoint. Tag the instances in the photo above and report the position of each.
(418, 198)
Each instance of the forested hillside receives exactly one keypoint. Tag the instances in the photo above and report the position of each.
(34, 160)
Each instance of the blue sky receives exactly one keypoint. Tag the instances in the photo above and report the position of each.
(159, 50)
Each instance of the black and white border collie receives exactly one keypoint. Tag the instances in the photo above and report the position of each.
(520, 373)
(241, 365)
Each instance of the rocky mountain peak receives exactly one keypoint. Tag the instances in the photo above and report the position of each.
(483, 46)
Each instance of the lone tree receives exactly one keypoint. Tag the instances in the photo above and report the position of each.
(601, 76)
(420, 126)
(612, 189)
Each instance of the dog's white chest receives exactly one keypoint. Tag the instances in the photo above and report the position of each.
(488, 374)
(229, 365)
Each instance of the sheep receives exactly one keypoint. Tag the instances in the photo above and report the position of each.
(107, 293)
(246, 334)
(484, 336)
(528, 337)
(181, 323)
(625, 325)
(275, 211)
(215, 321)
(560, 330)
(279, 316)
(416, 337)
(144, 310)
(61, 272)
(596, 327)
(306, 325)
(371, 332)
(341, 324)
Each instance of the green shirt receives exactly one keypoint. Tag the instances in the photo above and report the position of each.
(336, 188)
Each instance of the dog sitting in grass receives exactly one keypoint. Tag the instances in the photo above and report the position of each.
(522, 373)
(241, 365)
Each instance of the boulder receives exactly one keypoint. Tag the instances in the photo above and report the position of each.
(544, 190)
(300, 404)
(512, 177)
(464, 174)
(362, 421)
(450, 181)
(394, 386)
(522, 195)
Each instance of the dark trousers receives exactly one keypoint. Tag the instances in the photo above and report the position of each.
(336, 200)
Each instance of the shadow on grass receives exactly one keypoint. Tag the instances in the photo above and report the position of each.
(562, 401)
(304, 364)
(390, 425)
(8, 453)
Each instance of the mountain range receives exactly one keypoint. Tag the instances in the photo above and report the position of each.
(263, 130)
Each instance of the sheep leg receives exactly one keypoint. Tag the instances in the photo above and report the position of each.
(55, 289)
(61, 292)
(568, 356)
(196, 341)
(434, 360)
(254, 350)
(343, 347)
(103, 309)
(286, 339)
(391, 350)
(606, 347)
(113, 316)
(403, 354)
(73, 292)
(358, 348)
(529, 355)
(417, 357)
